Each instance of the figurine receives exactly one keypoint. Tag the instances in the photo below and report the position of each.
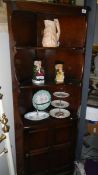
(38, 72)
(51, 33)
(59, 77)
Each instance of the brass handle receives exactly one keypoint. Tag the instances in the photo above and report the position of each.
(4, 121)
(2, 137)
(3, 152)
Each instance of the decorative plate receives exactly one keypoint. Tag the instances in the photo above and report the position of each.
(41, 99)
(60, 104)
(59, 113)
(61, 94)
(40, 115)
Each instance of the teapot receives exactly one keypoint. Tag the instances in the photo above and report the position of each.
(51, 33)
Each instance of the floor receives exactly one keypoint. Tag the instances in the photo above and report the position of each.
(89, 157)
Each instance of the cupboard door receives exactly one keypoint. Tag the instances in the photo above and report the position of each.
(63, 145)
(63, 131)
(62, 134)
(62, 157)
(36, 139)
(37, 162)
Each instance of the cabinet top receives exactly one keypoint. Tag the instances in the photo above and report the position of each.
(47, 7)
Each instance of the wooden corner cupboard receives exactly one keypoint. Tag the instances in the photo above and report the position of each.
(46, 147)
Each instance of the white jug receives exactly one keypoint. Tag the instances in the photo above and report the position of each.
(51, 33)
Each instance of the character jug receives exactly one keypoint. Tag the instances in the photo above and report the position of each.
(51, 33)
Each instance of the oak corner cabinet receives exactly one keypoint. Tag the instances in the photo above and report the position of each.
(47, 146)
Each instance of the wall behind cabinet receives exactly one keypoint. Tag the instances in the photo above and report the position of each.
(6, 84)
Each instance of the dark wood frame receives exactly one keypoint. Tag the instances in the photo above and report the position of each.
(19, 129)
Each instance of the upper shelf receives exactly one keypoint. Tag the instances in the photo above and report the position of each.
(20, 48)
(28, 29)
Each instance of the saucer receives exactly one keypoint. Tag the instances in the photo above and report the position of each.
(36, 116)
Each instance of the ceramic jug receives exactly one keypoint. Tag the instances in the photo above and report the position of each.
(51, 33)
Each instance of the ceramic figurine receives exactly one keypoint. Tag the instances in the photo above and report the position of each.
(38, 72)
(59, 76)
(51, 33)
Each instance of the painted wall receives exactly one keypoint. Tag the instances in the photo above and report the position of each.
(6, 84)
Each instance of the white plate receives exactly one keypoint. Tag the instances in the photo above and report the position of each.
(63, 113)
(60, 104)
(34, 116)
(61, 94)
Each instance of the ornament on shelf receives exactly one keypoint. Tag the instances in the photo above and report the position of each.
(38, 72)
(59, 73)
(51, 33)
(72, 2)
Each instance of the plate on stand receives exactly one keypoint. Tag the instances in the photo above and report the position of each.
(35, 116)
(61, 94)
(59, 113)
(60, 104)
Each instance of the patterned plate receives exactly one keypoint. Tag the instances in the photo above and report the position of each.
(34, 116)
(59, 113)
(41, 99)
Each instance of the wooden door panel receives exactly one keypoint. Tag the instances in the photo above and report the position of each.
(36, 139)
(37, 163)
(62, 155)
(62, 134)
